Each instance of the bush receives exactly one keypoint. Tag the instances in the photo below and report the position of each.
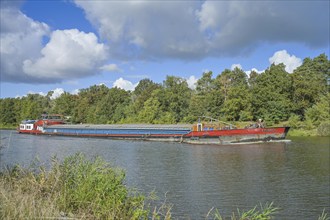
(76, 188)
(324, 129)
(319, 112)
(294, 121)
(308, 124)
(245, 116)
(97, 190)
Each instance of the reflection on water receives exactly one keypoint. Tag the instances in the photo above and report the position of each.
(195, 178)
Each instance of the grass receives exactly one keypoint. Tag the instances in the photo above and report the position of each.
(324, 216)
(78, 188)
(265, 212)
(7, 127)
(302, 133)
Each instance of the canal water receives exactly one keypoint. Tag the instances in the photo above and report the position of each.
(196, 178)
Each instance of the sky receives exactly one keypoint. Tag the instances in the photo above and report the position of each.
(67, 45)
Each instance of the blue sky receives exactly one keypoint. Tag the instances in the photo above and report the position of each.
(68, 45)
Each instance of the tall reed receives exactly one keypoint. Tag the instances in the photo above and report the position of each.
(76, 188)
(265, 212)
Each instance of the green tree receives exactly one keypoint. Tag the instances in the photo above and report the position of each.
(271, 94)
(106, 109)
(310, 83)
(176, 97)
(236, 94)
(7, 111)
(206, 100)
(205, 84)
(319, 112)
(32, 106)
(199, 103)
(80, 110)
(142, 93)
(84, 110)
(94, 93)
(151, 111)
(64, 104)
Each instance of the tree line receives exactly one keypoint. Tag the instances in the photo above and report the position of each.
(274, 95)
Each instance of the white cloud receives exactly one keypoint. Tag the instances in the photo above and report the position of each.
(21, 39)
(141, 76)
(233, 66)
(234, 27)
(111, 68)
(290, 62)
(192, 82)
(194, 29)
(75, 92)
(69, 54)
(248, 72)
(39, 93)
(57, 93)
(127, 24)
(124, 84)
(207, 16)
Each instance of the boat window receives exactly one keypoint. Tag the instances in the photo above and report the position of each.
(29, 127)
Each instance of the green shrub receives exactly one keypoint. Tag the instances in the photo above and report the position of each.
(77, 188)
(324, 129)
(319, 112)
(308, 124)
(96, 189)
(245, 116)
(294, 121)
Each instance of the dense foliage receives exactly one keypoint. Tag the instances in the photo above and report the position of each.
(274, 95)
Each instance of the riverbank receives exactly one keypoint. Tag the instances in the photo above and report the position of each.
(81, 189)
(74, 188)
(8, 127)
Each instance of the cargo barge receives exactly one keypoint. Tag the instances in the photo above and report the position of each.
(199, 133)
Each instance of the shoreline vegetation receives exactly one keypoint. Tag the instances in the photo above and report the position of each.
(81, 188)
(299, 99)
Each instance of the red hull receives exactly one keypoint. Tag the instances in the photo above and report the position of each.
(29, 132)
(235, 132)
(237, 135)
